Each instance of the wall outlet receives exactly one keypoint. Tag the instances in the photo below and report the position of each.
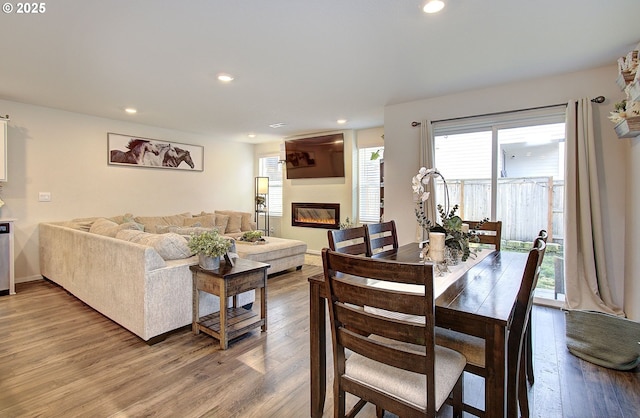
(44, 197)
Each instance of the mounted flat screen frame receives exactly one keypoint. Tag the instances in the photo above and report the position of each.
(315, 157)
(151, 153)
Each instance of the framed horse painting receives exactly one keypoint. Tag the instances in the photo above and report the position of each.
(130, 150)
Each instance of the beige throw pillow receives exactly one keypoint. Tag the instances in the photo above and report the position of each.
(170, 246)
(151, 222)
(206, 221)
(104, 226)
(235, 221)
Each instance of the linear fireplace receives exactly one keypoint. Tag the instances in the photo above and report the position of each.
(316, 215)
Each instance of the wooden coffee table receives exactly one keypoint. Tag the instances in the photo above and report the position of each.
(224, 282)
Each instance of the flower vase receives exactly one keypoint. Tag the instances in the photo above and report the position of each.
(208, 263)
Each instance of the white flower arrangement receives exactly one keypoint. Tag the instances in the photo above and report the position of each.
(624, 110)
(418, 183)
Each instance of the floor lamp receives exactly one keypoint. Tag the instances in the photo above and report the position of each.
(262, 208)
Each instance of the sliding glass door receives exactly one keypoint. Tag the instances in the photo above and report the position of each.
(510, 168)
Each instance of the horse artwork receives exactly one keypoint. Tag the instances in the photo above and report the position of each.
(151, 153)
(175, 159)
(157, 160)
(137, 150)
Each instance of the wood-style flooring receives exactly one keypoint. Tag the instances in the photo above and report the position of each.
(60, 358)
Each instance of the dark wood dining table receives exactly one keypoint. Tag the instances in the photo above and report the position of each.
(479, 303)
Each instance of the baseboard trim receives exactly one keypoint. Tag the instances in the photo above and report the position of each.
(28, 278)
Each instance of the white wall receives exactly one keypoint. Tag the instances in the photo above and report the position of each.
(402, 153)
(66, 154)
(340, 190)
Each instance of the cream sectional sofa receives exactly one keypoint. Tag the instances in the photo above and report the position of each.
(139, 279)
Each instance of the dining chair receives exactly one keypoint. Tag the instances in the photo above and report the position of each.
(382, 237)
(352, 241)
(490, 232)
(473, 348)
(379, 357)
(528, 346)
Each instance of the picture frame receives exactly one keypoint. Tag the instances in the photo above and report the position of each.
(128, 150)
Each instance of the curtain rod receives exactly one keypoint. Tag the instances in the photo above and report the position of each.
(599, 99)
(5, 117)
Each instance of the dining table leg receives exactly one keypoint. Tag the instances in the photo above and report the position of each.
(496, 367)
(318, 350)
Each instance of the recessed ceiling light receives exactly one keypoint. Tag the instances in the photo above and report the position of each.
(433, 6)
(131, 110)
(341, 121)
(251, 135)
(277, 125)
(225, 78)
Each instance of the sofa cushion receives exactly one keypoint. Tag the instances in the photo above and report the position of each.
(235, 220)
(170, 246)
(104, 226)
(151, 222)
(206, 221)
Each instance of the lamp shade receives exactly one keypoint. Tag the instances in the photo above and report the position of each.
(262, 185)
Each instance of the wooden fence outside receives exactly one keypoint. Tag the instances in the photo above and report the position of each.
(525, 205)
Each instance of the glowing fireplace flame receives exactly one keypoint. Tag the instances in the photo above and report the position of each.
(327, 221)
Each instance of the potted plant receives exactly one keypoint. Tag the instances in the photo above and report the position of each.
(209, 246)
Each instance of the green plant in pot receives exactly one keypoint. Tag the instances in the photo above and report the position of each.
(209, 246)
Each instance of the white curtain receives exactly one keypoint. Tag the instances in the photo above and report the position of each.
(427, 151)
(587, 285)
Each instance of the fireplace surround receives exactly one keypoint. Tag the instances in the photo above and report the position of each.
(316, 215)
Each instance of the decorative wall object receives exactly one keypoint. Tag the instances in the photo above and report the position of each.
(144, 152)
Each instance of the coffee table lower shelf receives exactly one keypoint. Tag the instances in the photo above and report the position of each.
(239, 321)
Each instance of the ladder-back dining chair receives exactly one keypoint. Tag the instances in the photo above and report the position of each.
(489, 232)
(352, 241)
(393, 363)
(382, 237)
(528, 345)
(473, 348)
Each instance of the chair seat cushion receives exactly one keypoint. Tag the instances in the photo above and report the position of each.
(404, 384)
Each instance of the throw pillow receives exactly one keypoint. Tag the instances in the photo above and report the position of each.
(207, 221)
(170, 246)
(235, 221)
(104, 226)
(151, 222)
(247, 222)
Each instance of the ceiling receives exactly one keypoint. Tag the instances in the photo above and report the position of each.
(302, 63)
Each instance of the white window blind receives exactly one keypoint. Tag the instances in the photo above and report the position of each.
(269, 167)
(369, 185)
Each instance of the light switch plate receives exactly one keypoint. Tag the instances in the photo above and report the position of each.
(44, 196)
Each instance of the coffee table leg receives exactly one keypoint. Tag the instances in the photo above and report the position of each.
(224, 344)
(196, 307)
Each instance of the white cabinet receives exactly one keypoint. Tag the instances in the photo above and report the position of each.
(3, 150)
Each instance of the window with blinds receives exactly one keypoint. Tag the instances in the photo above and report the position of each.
(269, 167)
(369, 185)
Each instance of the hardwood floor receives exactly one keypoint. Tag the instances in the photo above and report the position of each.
(60, 358)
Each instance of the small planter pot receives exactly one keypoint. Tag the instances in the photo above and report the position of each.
(208, 263)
